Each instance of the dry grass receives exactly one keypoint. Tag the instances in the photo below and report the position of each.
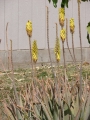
(23, 76)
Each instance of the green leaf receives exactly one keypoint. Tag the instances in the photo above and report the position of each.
(67, 3)
(75, 105)
(84, 0)
(87, 109)
(64, 3)
(88, 28)
(88, 38)
(49, 1)
(55, 3)
(46, 110)
(88, 32)
(67, 111)
(88, 24)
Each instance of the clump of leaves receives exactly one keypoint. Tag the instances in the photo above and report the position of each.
(44, 100)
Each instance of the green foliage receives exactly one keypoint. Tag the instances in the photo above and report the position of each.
(54, 2)
(88, 28)
(85, 0)
(63, 3)
(88, 32)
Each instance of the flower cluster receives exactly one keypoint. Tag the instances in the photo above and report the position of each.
(61, 16)
(57, 50)
(29, 28)
(63, 34)
(34, 51)
(72, 26)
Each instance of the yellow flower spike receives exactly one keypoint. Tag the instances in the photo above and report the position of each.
(72, 25)
(34, 57)
(57, 50)
(58, 57)
(62, 10)
(61, 16)
(63, 34)
(29, 28)
(34, 51)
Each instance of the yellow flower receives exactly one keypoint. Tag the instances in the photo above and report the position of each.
(72, 26)
(58, 57)
(63, 34)
(61, 16)
(62, 10)
(29, 28)
(34, 57)
(34, 51)
(57, 50)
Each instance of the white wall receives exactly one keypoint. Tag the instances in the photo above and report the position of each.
(18, 12)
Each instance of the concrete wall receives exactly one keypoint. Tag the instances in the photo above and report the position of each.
(21, 58)
(17, 12)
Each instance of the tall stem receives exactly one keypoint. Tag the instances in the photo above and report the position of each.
(31, 56)
(13, 74)
(48, 39)
(67, 39)
(7, 44)
(64, 61)
(56, 39)
(50, 54)
(56, 31)
(63, 54)
(13, 82)
(80, 47)
(64, 58)
(73, 49)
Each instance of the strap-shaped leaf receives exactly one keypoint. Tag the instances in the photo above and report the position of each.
(88, 38)
(64, 3)
(49, 1)
(88, 28)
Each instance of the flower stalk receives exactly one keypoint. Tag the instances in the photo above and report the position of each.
(80, 93)
(67, 39)
(34, 53)
(62, 35)
(48, 40)
(72, 27)
(29, 33)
